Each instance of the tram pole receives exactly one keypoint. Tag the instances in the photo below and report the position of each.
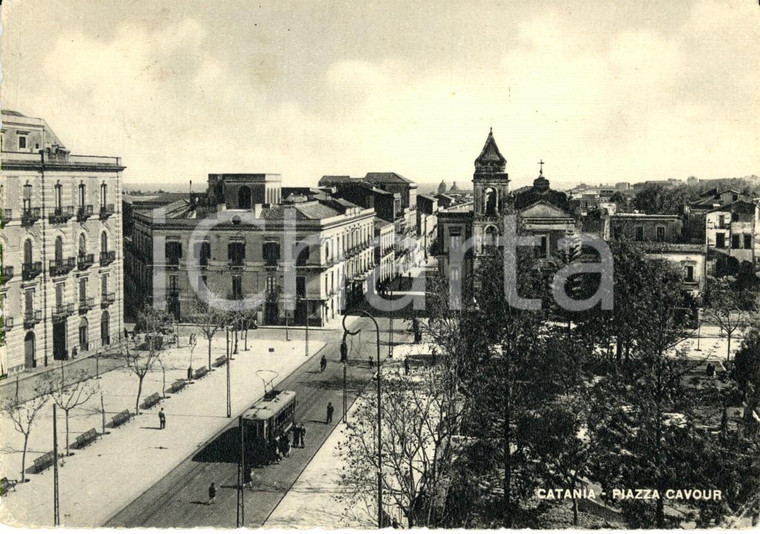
(229, 392)
(345, 393)
(306, 339)
(379, 414)
(241, 477)
(56, 498)
(390, 330)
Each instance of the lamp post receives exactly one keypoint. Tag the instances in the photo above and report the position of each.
(379, 415)
(229, 389)
(699, 328)
(390, 328)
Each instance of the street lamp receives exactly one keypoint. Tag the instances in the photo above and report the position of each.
(379, 416)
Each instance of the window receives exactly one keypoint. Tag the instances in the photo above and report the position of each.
(271, 253)
(103, 195)
(271, 284)
(236, 253)
(104, 242)
(22, 142)
(173, 251)
(734, 217)
(543, 247)
(82, 244)
(736, 241)
(660, 233)
(303, 253)
(58, 197)
(82, 289)
(204, 252)
(58, 249)
(455, 238)
(27, 197)
(721, 221)
(720, 240)
(82, 196)
(27, 252)
(29, 301)
(301, 286)
(748, 241)
(237, 287)
(59, 292)
(689, 274)
(639, 233)
(173, 283)
(104, 284)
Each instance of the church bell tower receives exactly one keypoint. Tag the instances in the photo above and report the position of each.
(491, 195)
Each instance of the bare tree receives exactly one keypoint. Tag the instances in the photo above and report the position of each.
(68, 397)
(209, 320)
(24, 414)
(727, 307)
(420, 416)
(155, 324)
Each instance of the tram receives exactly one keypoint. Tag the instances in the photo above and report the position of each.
(265, 422)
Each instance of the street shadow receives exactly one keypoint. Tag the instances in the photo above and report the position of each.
(203, 503)
(151, 427)
(336, 384)
(224, 449)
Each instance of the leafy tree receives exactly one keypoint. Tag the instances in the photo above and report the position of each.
(23, 415)
(747, 375)
(209, 320)
(658, 199)
(155, 324)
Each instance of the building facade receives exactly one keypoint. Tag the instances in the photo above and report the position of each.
(62, 294)
(234, 239)
(732, 232)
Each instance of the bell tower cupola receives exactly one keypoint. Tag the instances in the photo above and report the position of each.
(490, 181)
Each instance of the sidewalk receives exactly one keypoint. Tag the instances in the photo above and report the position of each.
(101, 479)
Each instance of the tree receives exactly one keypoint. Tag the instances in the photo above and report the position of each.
(658, 199)
(420, 417)
(155, 324)
(68, 397)
(726, 307)
(209, 320)
(747, 376)
(24, 414)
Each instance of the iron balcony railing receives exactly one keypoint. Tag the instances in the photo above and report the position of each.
(106, 299)
(62, 311)
(30, 271)
(61, 215)
(30, 216)
(106, 211)
(8, 322)
(86, 305)
(85, 261)
(236, 263)
(7, 272)
(62, 266)
(107, 258)
(32, 317)
(84, 213)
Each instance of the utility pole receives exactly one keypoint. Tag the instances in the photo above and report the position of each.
(699, 327)
(229, 392)
(390, 329)
(241, 477)
(306, 349)
(56, 499)
(345, 392)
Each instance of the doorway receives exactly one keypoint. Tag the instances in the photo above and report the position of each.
(59, 341)
(29, 345)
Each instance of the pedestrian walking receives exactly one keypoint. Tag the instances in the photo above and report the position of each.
(161, 419)
(406, 365)
(330, 411)
(301, 434)
(248, 479)
(323, 363)
(296, 435)
(190, 373)
(212, 494)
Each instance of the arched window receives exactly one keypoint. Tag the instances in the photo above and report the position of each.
(82, 195)
(103, 195)
(28, 251)
(82, 244)
(103, 242)
(58, 249)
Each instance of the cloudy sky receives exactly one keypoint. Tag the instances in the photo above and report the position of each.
(602, 91)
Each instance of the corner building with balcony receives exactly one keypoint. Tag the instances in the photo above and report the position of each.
(241, 252)
(61, 238)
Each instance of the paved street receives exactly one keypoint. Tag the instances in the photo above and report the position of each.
(179, 499)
